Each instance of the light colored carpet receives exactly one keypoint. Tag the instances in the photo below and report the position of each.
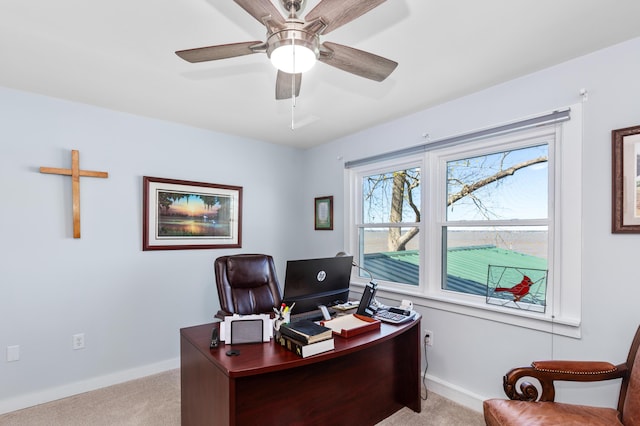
(436, 411)
(155, 401)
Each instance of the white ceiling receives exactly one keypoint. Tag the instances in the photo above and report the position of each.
(119, 54)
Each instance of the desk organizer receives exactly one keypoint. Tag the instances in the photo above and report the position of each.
(351, 325)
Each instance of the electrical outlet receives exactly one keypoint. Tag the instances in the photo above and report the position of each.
(78, 341)
(428, 338)
(13, 353)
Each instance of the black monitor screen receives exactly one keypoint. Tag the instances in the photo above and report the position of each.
(313, 282)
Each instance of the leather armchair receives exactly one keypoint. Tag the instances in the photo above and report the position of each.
(247, 284)
(527, 407)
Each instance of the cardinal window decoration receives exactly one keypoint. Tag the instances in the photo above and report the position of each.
(518, 288)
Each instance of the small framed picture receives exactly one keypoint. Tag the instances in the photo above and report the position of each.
(324, 213)
(182, 215)
(625, 180)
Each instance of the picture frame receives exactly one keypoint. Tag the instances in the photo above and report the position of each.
(323, 216)
(625, 180)
(517, 287)
(186, 215)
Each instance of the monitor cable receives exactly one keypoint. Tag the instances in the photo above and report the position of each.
(424, 375)
(375, 303)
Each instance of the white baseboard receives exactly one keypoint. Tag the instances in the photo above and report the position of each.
(435, 384)
(455, 393)
(52, 394)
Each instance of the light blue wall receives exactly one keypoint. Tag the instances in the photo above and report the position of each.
(470, 355)
(130, 304)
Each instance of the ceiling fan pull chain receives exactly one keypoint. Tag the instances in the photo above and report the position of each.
(293, 83)
(293, 100)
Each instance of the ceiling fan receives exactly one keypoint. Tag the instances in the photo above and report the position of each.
(293, 44)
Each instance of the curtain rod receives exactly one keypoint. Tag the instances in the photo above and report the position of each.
(541, 120)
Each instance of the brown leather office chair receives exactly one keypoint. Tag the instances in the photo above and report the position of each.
(526, 407)
(247, 284)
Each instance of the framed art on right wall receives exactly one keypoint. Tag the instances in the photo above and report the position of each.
(625, 180)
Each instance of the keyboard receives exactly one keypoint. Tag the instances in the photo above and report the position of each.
(314, 315)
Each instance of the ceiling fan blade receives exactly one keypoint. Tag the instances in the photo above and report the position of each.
(356, 61)
(260, 9)
(336, 13)
(284, 84)
(222, 51)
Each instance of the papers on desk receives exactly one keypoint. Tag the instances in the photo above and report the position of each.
(347, 306)
(351, 325)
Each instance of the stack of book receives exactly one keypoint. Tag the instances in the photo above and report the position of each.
(306, 338)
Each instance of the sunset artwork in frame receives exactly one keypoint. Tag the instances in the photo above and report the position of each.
(625, 180)
(184, 215)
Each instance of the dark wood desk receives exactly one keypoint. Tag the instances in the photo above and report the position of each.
(364, 380)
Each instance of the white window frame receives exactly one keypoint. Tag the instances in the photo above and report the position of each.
(356, 222)
(564, 310)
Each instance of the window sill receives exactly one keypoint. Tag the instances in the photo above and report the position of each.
(569, 327)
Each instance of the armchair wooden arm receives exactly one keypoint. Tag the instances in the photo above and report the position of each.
(529, 406)
(548, 372)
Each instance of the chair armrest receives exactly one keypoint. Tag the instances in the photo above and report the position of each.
(546, 373)
(222, 313)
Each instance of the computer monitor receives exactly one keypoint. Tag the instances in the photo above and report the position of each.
(312, 282)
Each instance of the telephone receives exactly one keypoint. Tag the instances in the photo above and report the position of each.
(392, 315)
(368, 297)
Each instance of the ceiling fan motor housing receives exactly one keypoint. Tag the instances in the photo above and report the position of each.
(293, 35)
(297, 5)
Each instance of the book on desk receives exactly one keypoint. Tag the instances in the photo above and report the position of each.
(305, 350)
(306, 331)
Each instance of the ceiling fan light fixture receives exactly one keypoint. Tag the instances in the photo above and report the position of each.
(293, 51)
(293, 59)
(293, 43)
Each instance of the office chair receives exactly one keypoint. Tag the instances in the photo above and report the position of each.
(527, 407)
(247, 284)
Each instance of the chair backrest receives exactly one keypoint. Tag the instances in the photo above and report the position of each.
(247, 284)
(629, 402)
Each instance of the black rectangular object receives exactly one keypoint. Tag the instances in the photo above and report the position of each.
(368, 296)
(312, 282)
(306, 331)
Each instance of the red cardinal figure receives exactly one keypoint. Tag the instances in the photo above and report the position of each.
(519, 290)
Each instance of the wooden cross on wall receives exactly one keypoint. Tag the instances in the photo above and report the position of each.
(75, 174)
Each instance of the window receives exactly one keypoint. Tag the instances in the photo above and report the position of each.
(497, 220)
(389, 224)
(488, 227)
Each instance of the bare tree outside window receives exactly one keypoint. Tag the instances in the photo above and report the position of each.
(508, 185)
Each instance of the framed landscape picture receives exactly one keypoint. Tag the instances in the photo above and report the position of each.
(179, 215)
(324, 213)
(626, 180)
